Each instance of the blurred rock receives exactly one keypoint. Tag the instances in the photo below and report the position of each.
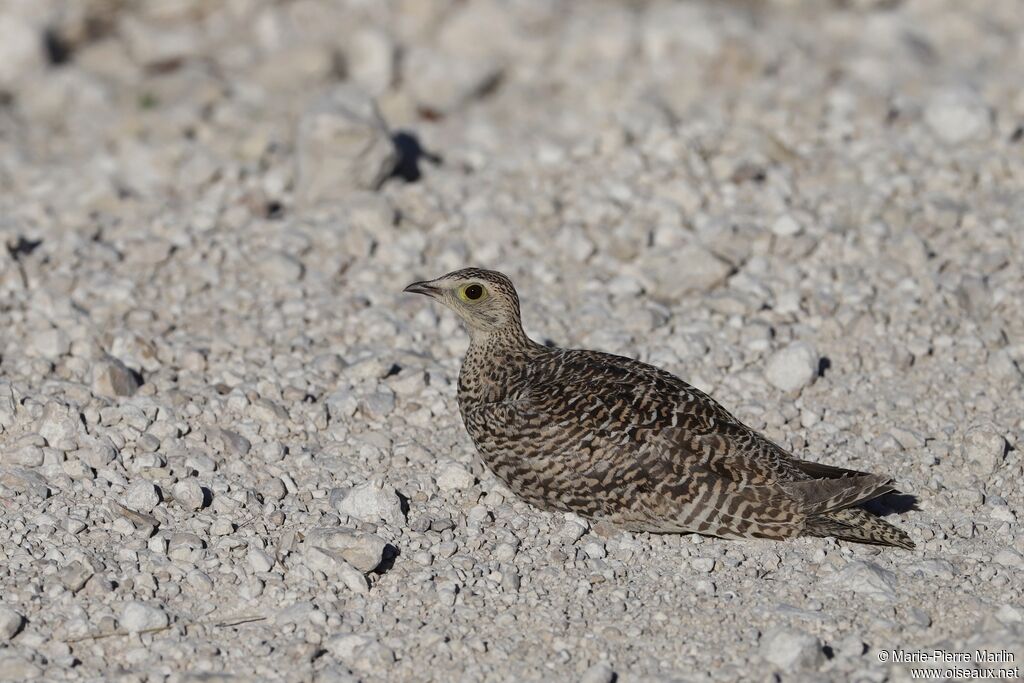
(343, 146)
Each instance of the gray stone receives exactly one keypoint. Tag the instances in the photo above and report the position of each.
(671, 279)
(866, 578)
(791, 649)
(362, 550)
(343, 146)
(111, 378)
(10, 623)
(598, 673)
(958, 116)
(454, 478)
(373, 502)
(137, 616)
(793, 367)
(143, 496)
(189, 494)
(983, 448)
(51, 344)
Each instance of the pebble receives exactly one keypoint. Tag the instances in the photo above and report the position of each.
(142, 496)
(790, 649)
(10, 623)
(137, 616)
(454, 478)
(598, 673)
(343, 146)
(983, 448)
(111, 379)
(373, 502)
(959, 116)
(866, 578)
(50, 344)
(189, 494)
(260, 560)
(364, 551)
(792, 367)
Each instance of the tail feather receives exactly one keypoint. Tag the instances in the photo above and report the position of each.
(859, 526)
(819, 496)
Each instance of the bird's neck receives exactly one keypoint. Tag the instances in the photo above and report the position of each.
(493, 358)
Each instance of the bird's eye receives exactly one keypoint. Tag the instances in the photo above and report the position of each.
(473, 292)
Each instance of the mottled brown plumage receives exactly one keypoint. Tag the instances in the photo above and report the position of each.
(614, 439)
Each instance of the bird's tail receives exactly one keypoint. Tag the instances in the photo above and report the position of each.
(859, 526)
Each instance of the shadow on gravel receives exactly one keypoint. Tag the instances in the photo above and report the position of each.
(892, 504)
(410, 153)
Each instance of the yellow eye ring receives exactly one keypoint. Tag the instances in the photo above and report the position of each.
(472, 292)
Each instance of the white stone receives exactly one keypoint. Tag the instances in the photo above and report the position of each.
(189, 494)
(866, 578)
(331, 563)
(138, 616)
(786, 226)
(958, 116)
(50, 344)
(689, 269)
(260, 560)
(791, 649)
(112, 378)
(371, 60)
(598, 673)
(792, 367)
(454, 478)
(143, 496)
(343, 145)
(373, 502)
(364, 551)
(10, 623)
(20, 49)
(983, 448)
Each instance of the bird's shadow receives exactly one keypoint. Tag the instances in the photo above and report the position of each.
(894, 503)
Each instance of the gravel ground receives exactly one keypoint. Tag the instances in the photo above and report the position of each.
(229, 445)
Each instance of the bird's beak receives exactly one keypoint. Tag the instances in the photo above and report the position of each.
(424, 287)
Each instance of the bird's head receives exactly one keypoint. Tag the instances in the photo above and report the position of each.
(484, 299)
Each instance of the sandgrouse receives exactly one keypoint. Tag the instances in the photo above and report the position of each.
(619, 441)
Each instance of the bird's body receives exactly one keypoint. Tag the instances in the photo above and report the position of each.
(621, 441)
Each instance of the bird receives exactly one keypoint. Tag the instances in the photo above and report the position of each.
(627, 444)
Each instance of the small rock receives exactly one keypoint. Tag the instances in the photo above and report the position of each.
(703, 271)
(260, 560)
(959, 116)
(10, 623)
(50, 344)
(791, 649)
(189, 494)
(142, 497)
(364, 551)
(331, 563)
(983, 448)
(372, 502)
(112, 378)
(786, 226)
(343, 145)
(138, 616)
(598, 673)
(866, 578)
(792, 367)
(279, 267)
(371, 60)
(454, 478)
(15, 667)
(75, 575)
(1008, 557)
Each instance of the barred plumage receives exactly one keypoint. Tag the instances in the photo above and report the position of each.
(614, 439)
